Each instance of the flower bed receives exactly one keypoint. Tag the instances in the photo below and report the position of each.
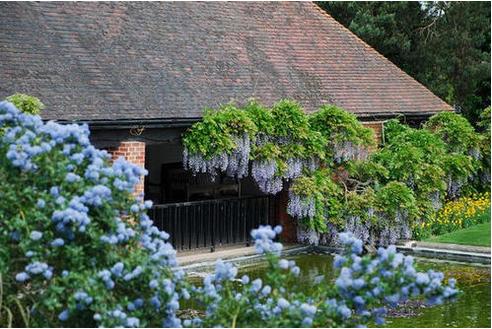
(457, 214)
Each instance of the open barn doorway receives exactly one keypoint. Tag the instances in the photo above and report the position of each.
(198, 211)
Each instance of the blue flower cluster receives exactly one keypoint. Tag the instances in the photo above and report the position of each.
(35, 268)
(96, 195)
(119, 318)
(224, 271)
(263, 237)
(123, 233)
(389, 278)
(347, 239)
(363, 290)
(74, 216)
(127, 175)
(82, 220)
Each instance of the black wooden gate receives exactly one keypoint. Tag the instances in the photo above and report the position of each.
(211, 223)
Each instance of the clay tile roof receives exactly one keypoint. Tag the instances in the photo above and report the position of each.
(154, 60)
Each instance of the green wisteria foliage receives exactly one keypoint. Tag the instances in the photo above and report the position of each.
(337, 178)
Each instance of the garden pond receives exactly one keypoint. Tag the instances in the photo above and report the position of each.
(471, 309)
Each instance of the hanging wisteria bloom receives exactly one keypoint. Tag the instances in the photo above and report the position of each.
(346, 150)
(435, 198)
(475, 153)
(238, 160)
(199, 164)
(294, 168)
(308, 236)
(383, 230)
(454, 186)
(234, 164)
(301, 206)
(264, 174)
(311, 164)
(361, 229)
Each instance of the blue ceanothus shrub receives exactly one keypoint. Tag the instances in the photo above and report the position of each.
(77, 249)
(364, 289)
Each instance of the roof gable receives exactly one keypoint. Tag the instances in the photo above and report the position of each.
(132, 60)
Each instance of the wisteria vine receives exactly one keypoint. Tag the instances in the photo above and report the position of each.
(276, 154)
(313, 155)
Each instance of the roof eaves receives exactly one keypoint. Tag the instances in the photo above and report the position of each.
(132, 123)
(161, 123)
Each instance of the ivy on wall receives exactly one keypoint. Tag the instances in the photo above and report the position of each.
(335, 182)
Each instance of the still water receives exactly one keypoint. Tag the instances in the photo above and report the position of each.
(472, 309)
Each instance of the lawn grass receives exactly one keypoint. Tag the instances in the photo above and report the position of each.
(476, 235)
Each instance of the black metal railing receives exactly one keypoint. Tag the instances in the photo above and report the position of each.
(212, 223)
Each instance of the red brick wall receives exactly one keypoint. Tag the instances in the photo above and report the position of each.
(377, 126)
(134, 152)
(289, 224)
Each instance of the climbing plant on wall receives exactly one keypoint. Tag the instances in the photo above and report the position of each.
(337, 179)
(437, 162)
(220, 143)
(316, 199)
(463, 150)
(283, 144)
(346, 138)
(279, 142)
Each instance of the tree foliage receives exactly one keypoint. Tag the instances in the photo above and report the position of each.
(26, 103)
(443, 44)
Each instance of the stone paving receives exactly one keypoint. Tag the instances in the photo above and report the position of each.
(198, 260)
(448, 251)
(205, 258)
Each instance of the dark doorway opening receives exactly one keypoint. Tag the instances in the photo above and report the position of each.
(198, 211)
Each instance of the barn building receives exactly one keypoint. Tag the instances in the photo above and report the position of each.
(141, 73)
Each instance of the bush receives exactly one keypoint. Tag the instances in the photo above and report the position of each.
(26, 103)
(458, 134)
(461, 213)
(365, 287)
(415, 158)
(76, 248)
(464, 151)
